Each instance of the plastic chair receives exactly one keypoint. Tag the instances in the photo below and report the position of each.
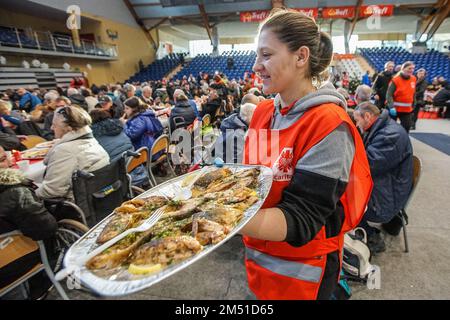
(139, 157)
(160, 145)
(32, 141)
(16, 245)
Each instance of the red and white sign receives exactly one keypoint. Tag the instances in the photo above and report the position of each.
(261, 15)
(338, 12)
(310, 12)
(378, 10)
(254, 16)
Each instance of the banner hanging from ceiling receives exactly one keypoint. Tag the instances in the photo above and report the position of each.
(310, 12)
(338, 12)
(261, 15)
(382, 10)
(327, 13)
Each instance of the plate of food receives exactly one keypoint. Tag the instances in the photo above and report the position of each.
(45, 145)
(222, 201)
(34, 153)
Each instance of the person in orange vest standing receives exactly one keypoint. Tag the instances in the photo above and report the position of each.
(400, 96)
(321, 177)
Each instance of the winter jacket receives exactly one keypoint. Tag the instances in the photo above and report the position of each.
(230, 145)
(389, 152)
(194, 107)
(9, 140)
(211, 108)
(28, 102)
(442, 97)
(421, 86)
(111, 136)
(380, 86)
(143, 129)
(76, 150)
(182, 109)
(21, 209)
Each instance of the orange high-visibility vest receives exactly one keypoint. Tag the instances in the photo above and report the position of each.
(277, 270)
(404, 93)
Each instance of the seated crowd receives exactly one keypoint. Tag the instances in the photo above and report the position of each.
(92, 127)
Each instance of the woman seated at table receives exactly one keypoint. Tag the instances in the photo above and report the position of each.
(76, 149)
(142, 126)
(110, 134)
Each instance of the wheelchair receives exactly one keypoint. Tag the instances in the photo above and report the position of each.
(96, 195)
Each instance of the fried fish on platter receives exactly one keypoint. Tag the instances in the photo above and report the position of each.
(182, 209)
(254, 172)
(205, 180)
(224, 215)
(135, 202)
(166, 251)
(207, 231)
(118, 224)
(118, 253)
(154, 202)
(126, 208)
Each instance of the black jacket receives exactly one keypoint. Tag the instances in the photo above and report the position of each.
(9, 140)
(211, 108)
(389, 152)
(21, 209)
(382, 82)
(182, 109)
(421, 86)
(442, 97)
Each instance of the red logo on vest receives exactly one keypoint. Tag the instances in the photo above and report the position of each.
(283, 168)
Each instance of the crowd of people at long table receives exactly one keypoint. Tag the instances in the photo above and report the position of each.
(87, 128)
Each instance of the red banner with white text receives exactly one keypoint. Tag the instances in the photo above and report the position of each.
(338, 12)
(378, 10)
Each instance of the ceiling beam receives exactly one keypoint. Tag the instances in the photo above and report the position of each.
(440, 16)
(435, 17)
(201, 7)
(224, 19)
(141, 24)
(158, 24)
(146, 4)
(188, 21)
(355, 19)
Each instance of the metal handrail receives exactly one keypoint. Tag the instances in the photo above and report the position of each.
(88, 47)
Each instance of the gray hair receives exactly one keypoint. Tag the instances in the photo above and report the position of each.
(178, 92)
(72, 91)
(246, 112)
(368, 107)
(129, 87)
(147, 89)
(51, 96)
(363, 93)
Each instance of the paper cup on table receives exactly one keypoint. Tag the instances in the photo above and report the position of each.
(23, 165)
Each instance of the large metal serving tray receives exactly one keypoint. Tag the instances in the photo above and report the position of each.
(123, 283)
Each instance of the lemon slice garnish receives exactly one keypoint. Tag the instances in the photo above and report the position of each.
(144, 269)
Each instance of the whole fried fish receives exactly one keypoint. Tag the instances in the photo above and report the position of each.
(118, 253)
(166, 251)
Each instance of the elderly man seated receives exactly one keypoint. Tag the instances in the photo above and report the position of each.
(389, 152)
(230, 145)
(363, 93)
